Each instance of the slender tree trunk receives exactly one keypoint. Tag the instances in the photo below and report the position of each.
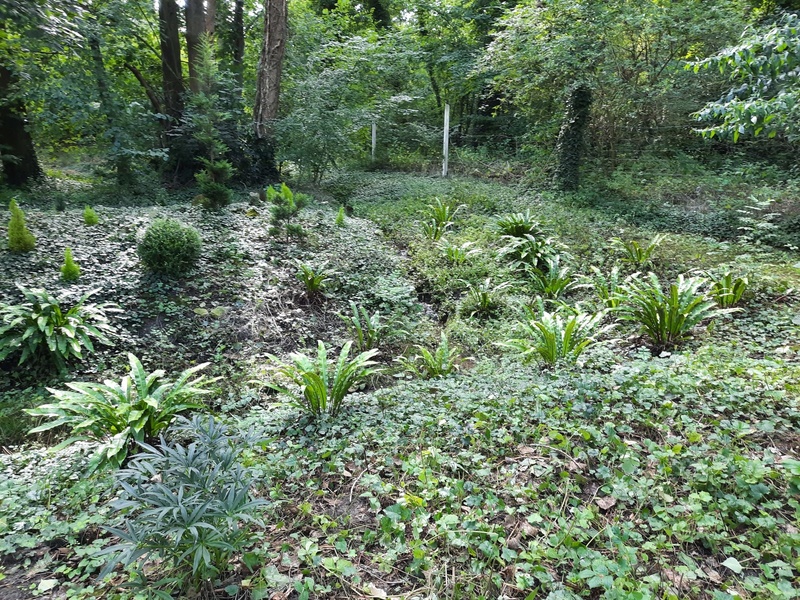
(570, 143)
(268, 81)
(211, 16)
(195, 27)
(155, 103)
(121, 162)
(238, 41)
(17, 152)
(422, 22)
(380, 14)
(171, 70)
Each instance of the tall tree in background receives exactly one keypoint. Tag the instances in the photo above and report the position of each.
(171, 70)
(195, 28)
(270, 65)
(17, 152)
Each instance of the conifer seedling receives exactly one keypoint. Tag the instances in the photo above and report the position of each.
(70, 271)
(20, 239)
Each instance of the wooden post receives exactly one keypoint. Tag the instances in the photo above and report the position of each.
(446, 142)
(374, 139)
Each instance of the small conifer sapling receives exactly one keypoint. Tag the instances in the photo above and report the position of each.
(340, 217)
(20, 239)
(70, 271)
(90, 216)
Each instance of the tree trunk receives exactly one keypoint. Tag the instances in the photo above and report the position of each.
(238, 41)
(121, 161)
(195, 28)
(380, 15)
(171, 70)
(211, 16)
(569, 146)
(17, 152)
(155, 104)
(268, 82)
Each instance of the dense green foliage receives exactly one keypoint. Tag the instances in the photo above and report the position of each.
(170, 248)
(70, 270)
(90, 216)
(43, 328)
(121, 415)
(20, 239)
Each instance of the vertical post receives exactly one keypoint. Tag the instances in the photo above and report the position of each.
(446, 142)
(374, 139)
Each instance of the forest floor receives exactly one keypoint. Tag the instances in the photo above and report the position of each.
(634, 473)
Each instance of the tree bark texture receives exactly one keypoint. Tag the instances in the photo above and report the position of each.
(268, 82)
(238, 41)
(211, 16)
(195, 28)
(17, 152)
(171, 70)
(570, 143)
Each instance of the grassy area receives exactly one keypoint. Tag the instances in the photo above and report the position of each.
(632, 470)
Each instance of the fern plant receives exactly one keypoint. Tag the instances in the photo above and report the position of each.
(41, 328)
(367, 329)
(458, 255)
(70, 271)
(322, 389)
(314, 279)
(552, 280)
(727, 292)
(20, 239)
(632, 252)
(529, 251)
(554, 338)
(440, 218)
(90, 216)
(607, 287)
(666, 317)
(189, 507)
(484, 299)
(120, 415)
(520, 225)
(438, 362)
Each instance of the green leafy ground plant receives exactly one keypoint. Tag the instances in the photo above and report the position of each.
(727, 292)
(367, 329)
(666, 317)
(70, 271)
(635, 254)
(430, 363)
(120, 415)
(440, 215)
(40, 328)
(90, 216)
(322, 389)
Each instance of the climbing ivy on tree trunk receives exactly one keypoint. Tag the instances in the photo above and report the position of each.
(569, 146)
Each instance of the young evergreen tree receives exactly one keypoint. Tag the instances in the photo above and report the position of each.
(20, 239)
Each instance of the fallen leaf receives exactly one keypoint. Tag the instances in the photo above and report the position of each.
(606, 502)
(733, 565)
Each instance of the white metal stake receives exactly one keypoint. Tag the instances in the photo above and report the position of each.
(374, 139)
(446, 143)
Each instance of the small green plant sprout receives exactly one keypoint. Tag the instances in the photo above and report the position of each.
(340, 217)
(529, 251)
(367, 330)
(666, 317)
(433, 363)
(121, 415)
(458, 255)
(635, 254)
(41, 328)
(20, 239)
(552, 280)
(520, 225)
(70, 271)
(286, 206)
(322, 388)
(440, 217)
(484, 300)
(554, 338)
(314, 280)
(728, 292)
(607, 287)
(196, 514)
(90, 216)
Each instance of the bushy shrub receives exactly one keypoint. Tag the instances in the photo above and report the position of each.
(187, 506)
(169, 247)
(20, 239)
(119, 415)
(70, 271)
(286, 206)
(90, 216)
(323, 390)
(40, 328)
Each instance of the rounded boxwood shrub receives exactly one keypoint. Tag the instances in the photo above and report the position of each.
(169, 247)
